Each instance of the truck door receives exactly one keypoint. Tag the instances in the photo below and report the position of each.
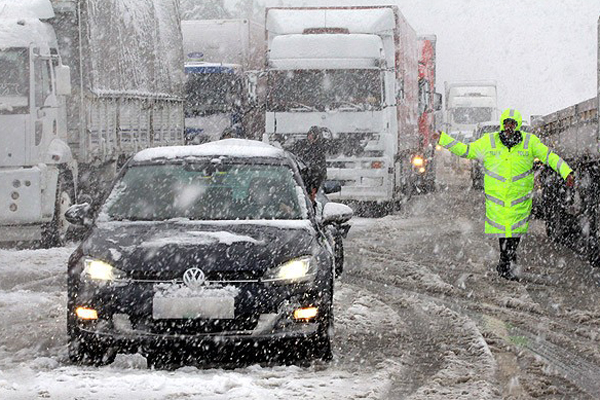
(44, 110)
(14, 105)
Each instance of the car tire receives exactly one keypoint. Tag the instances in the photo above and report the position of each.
(166, 360)
(324, 344)
(338, 250)
(90, 353)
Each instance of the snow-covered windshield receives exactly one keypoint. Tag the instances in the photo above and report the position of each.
(472, 115)
(205, 191)
(207, 93)
(14, 80)
(318, 90)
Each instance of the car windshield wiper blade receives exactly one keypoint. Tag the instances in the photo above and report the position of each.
(338, 104)
(128, 218)
(303, 106)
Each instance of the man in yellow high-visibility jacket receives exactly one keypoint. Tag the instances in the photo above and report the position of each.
(508, 157)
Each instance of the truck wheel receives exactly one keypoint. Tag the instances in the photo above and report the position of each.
(54, 233)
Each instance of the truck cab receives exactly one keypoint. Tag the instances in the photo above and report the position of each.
(213, 101)
(219, 94)
(33, 125)
(344, 69)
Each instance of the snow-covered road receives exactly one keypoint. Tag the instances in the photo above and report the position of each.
(420, 314)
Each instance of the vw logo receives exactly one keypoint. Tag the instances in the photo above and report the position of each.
(194, 278)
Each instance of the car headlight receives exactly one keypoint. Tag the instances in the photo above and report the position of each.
(100, 271)
(300, 269)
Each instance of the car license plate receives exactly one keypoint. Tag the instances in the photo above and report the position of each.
(202, 306)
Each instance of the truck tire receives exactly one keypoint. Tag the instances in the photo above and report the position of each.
(54, 233)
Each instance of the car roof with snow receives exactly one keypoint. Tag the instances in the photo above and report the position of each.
(228, 148)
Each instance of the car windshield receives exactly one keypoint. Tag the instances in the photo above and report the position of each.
(472, 115)
(211, 92)
(206, 191)
(318, 90)
(14, 80)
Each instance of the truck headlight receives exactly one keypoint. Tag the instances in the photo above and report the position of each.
(300, 269)
(100, 271)
(418, 161)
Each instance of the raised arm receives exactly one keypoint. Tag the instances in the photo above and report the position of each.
(463, 150)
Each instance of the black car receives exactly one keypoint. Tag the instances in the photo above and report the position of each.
(209, 252)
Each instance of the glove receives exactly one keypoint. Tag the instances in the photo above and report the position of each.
(570, 181)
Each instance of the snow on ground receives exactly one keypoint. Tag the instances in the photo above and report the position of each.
(419, 314)
(33, 350)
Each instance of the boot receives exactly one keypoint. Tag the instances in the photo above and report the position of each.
(504, 271)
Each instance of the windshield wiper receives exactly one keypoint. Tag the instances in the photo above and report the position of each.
(359, 107)
(128, 218)
(304, 106)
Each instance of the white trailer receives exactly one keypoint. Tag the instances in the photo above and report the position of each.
(572, 216)
(354, 71)
(84, 85)
(218, 54)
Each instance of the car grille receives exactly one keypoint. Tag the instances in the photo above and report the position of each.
(211, 276)
(196, 326)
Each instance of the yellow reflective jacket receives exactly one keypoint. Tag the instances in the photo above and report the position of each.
(508, 181)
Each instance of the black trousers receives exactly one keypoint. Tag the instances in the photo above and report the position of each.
(508, 250)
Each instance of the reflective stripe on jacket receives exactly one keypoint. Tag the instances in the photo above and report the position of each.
(509, 177)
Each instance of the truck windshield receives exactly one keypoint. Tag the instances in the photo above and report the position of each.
(472, 115)
(319, 90)
(210, 93)
(14, 81)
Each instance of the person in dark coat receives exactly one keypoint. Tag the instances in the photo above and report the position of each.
(312, 153)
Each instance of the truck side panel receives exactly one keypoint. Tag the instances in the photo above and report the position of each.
(407, 70)
(126, 79)
(573, 132)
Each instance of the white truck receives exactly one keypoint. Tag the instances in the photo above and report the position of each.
(353, 71)
(572, 216)
(467, 104)
(84, 85)
(219, 94)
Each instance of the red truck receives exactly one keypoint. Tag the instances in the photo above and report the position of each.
(429, 103)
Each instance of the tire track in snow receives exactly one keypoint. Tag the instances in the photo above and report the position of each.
(580, 372)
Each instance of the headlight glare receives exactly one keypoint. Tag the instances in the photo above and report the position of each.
(295, 270)
(98, 270)
(418, 161)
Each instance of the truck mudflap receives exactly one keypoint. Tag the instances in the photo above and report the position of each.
(21, 196)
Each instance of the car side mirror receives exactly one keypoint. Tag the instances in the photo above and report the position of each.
(332, 187)
(79, 214)
(437, 101)
(336, 213)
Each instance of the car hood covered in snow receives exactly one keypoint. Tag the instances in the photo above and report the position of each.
(222, 249)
